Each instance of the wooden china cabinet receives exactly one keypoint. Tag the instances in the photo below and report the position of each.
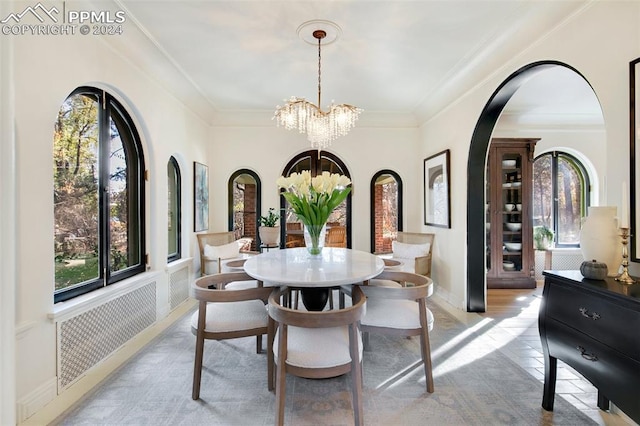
(509, 231)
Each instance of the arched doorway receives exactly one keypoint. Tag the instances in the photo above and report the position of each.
(244, 205)
(480, 141)
(386, 209)
(316, 162)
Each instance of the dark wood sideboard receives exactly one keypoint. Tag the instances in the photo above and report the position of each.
(593, 326)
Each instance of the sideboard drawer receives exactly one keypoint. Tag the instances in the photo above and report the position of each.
(605, 321)
(615, 375)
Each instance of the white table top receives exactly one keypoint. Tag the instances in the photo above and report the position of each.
(296, 267)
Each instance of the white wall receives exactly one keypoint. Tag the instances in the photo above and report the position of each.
(599, 42)
(47, 69)
(267, 150)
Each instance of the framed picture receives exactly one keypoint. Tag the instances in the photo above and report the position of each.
(437, 200)
(200, 197)
(634, 156)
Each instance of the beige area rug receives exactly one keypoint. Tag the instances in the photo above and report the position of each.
(475, 384)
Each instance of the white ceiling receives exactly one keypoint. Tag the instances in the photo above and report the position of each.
(402, 57)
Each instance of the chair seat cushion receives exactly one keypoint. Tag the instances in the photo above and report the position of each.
(394, 313)
(317, 347)
(383, 283)
(233, 316)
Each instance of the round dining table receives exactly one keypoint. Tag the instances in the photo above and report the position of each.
(314, 275)
(295, 267)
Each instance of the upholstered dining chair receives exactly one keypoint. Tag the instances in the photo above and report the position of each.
(227, 314)
(219, 248)
(315, 345)
(400, 311)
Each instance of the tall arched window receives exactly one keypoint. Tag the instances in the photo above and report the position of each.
(174, 190)
(386, 210)
(98, 169)
(316, 162)
(245, 194)
(560, 196)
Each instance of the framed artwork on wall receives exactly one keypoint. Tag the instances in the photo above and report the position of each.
(634, 156)
(200, 197)
(437, 196)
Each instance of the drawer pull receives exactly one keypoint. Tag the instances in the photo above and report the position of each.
(585, 355)
(585, 313)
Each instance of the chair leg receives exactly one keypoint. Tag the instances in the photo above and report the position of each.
(425, 345)
(425, 348)
(281, 375)
(270, 358)
(259, 344)
(197, 367)
(356, 376)
(365, 340)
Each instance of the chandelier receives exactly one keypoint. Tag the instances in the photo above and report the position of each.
(321, 127)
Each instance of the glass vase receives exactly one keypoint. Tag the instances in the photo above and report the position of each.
(314, 238)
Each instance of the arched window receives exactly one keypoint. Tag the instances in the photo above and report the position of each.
(245, 194)
(316, 162)
(174, 210)
(98, 169)
(386, 210)
(560, 196)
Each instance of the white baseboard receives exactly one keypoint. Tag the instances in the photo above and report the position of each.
(34, 401)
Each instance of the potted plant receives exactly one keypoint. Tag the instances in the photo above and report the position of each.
(542, 237)
(269, 230)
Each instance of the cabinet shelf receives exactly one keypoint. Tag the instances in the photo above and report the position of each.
(500, 191)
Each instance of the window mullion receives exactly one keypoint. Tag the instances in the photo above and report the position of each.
(104, 239)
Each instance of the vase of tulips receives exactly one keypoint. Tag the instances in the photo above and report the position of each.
(313, 199)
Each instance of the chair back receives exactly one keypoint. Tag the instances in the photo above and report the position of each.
(314, 319)
(219, 239)
(336, 237)
(412, 286)
(421, 264)
(211, 288)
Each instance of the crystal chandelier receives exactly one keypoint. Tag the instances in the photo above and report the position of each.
(321, 127)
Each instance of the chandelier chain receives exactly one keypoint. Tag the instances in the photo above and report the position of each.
(319, 71)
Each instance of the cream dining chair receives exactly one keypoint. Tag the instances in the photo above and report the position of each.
(227, 314)
(315, 345)
(400, 311)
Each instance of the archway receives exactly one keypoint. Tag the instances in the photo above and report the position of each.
(480, 140)
(316, 162)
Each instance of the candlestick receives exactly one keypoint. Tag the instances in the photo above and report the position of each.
(624, 222)
(624, 277)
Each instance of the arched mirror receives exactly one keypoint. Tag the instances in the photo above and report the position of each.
(386, 210)
(244, 193)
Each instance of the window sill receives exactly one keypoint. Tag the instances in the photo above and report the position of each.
(77, 305)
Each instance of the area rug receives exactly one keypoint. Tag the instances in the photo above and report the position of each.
(475, 384)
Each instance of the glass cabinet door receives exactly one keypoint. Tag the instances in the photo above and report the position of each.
(511, 208)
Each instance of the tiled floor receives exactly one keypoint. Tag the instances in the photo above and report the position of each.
(514, 318)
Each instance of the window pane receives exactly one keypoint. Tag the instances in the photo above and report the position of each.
(569, 202)
(542, 192)
(173, 209)
(75, 169)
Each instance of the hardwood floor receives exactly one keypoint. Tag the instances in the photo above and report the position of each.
(515, 313)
